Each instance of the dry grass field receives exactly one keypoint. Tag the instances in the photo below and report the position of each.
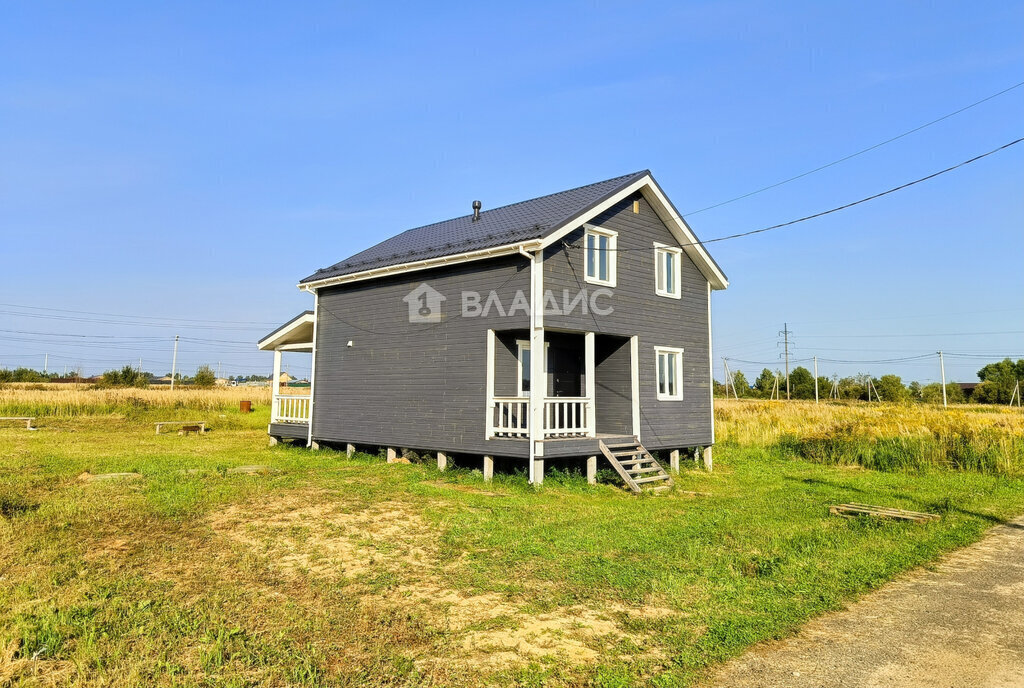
(328, 571)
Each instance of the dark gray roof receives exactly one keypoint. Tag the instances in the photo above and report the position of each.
(508, 224)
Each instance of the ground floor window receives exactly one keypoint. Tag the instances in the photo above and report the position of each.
(670, 373)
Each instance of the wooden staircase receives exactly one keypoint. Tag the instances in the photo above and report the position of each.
(635, 465)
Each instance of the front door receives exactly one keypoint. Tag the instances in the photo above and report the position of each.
(566, 369)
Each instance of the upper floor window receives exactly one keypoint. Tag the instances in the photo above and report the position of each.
(670, 373)
(666, 270)
(599, 256)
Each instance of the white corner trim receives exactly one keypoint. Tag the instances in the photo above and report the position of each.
(711, 369)
(312, 370)
(634, 382)
(489, 421)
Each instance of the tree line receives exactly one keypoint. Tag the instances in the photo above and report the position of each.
(997, 382)
(124, 377)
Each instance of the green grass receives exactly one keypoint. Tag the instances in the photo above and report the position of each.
(142, 583)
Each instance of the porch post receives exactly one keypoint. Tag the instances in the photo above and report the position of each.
(592, 470)
(538, 373)
(275, 386)
(634, 375)
(589, 366)
(489, 425)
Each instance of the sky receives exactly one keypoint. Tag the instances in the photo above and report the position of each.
(176, 168)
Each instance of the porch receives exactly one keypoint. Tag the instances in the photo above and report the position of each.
(291, 407)
(588, 387)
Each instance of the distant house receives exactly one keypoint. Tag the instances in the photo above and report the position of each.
(165, 380)
(284, 378)
(968, 388)
(426, 340)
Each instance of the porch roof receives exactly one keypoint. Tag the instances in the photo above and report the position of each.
(296, 334)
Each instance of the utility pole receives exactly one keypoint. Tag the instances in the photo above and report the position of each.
(785, 333)
(815, 379)
(174, 361)
(46, 362)
(942, 367)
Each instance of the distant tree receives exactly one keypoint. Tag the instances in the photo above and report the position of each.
(824, 387)
(890, 388)
(914, 389)
(801, 383)
(126, 377)
(742, 386)
(765, 383)
(205, 377)
(932, 393)
(853, 388)
(998, 381)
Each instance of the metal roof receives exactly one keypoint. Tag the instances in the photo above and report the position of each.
(508, 224)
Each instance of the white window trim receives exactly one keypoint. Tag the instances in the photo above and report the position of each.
(659, 251)
(658, 351)
(522, 344)
(613, 239)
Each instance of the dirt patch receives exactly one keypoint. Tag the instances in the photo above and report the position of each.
(314, 534)
(325, 539)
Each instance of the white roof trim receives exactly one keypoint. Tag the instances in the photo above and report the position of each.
(278, 339)
(426, 264)
(666, 211)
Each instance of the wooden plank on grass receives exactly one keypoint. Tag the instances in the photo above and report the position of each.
(881, 512)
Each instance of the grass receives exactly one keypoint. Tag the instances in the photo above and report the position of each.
(352, 572)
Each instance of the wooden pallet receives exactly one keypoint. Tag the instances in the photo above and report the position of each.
(851, 510)
(635, 465)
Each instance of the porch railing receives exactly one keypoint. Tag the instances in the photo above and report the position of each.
(567, 417)
(290, 408)
(563, 417)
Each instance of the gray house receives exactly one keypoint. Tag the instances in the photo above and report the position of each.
(429, 340)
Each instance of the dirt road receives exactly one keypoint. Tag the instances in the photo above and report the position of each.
(960, 625)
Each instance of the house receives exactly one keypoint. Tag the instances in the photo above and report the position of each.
(425, 341)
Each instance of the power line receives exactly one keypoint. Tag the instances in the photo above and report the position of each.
(822, 213)
(138, 317)
(860, 152)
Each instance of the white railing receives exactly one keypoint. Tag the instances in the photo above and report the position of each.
(510, 417)
(290, 408)
(563, 417)
(567, 417)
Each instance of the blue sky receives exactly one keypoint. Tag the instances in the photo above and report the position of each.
(191, 161)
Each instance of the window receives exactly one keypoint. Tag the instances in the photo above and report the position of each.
(524, 365)
(670, 374)
(666, 271)
(599, 256)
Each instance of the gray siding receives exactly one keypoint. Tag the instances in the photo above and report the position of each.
(417, 385)
(423, 386)
(637, 310)
(613, 383)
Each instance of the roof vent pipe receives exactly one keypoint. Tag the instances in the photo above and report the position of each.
(476, 210)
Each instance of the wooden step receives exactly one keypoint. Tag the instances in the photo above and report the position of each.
(630, 462)
(651, 479)
(640, 463)
(622, 445)
(649, 469)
